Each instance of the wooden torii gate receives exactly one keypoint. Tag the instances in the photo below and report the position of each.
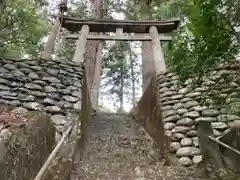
(154, 31)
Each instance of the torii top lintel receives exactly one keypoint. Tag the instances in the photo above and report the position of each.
(74, 24)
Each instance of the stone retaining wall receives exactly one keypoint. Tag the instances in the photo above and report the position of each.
(183, 105)
(52, 86)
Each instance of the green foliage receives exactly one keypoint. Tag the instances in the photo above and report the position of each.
(22, 25)
(205, 39)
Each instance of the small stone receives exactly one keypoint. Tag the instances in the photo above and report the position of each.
(76, 93)
(209, 119)
(185, 122)
(186, 100)
(190, 104)
(182, 111)
(70, 98)
(42, 83)
(195, 141)
(4, 81)
(188, 151)
(172, 118)
(28, 98)
(162, 90)
(168, 133)
(185, 161)
(38, 94)
(58, 119)
(186, 142)
(78, 105)
(9, 66)
(219, 125)
(169, 126)
(174, 146)
(197, 159)
(164, 108)
(175, 97)
(216, 133)
(183, 90)
(53, 109)
(33, 75)
(192, 114)
(48, 101)
(17, 73)
(32, 106)
(33, 86)
(191, 133)
(227, 118)
(50, 89)
(193, 94)
(65, 104)
(177, 137)
(199, 108)
(167, 93)
(20, 110)
(3, 87)
(169, 113)
(180, 129)
(177, 106)
(210, 113)
(51, 79)
(234, 124)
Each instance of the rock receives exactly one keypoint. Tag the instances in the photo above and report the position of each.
(183, 90)
(53, 109)
(175, 97)
(177, 106)
(32, 106)
(20, 110)
(169, 126)
(168, 113)
(38, 94)
(186, 142)
(58, 119)
(167, 93)
(188, 151)
(65, 104)
(18, 73)
(168, 133)
(209, 119)
(49, 101)
(182, 111)
(42, 83)
(186, 100)
(227, 117)
(185, 161)
(3, 70)
(70, 99)
(192, 114)
(190, 104)
(197, 159)
(180, 129)
(170, 102)
(199, 108)
(78, 105)
(3, 87)
(33, 75)
(185, 122)
(164, 108)
(76, 93)
(210, 113)
(234, 124)
(195, 141)
(163, 90)
(173, 118)
(14, 103)
(191, 133)
(174, 146)
(177, 137)
(28, 98)
(51, 79)
(4, 81)
(10, 66)
(219, 125)
(193, 94)
(216, 133)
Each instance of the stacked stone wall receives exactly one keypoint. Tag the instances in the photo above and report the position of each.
(51, 86)
(216, 100)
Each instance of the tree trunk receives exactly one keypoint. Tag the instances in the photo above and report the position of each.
(121, 86)
(49, 45)
(133, 128)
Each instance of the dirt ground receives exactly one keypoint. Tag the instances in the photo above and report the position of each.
(110, 155)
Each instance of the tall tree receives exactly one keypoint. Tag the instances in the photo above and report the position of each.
(22, 25)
